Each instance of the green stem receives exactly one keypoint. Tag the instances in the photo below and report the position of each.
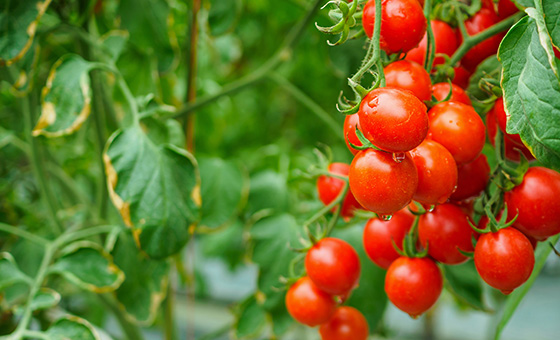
(192, 62)
(310, 103)
(430, 46)
(35, 335)
(23, 233)
(256, 76)
(84, 233)
(131, 331)
(169, 315)
(374, 47)
(101, 138)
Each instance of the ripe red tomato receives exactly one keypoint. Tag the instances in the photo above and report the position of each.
(459, 129)
(479, 22)
(506, 8)
(393, 119)
(512, 149)
(409, 75)
(309, 305)
(445, 40)
(441, 90)
(462, 77)
(444, 231)
(350, 123)
(413, 285)
(472, 179)
(380, 183)
(536, 202)
(347, 323)
(501, 118)
(483, 224)
(379, 234)
(333, 266)
(402, 24)
(504, 259)
(329, 188)
(437, 173)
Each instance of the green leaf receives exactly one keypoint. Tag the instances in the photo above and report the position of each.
(114, 43)
(268, 191)
(156, 189)
(46, 298)
(224, 190)
(9, 272)
(531, 92)
(488, 71)
(145, 283)
(89, 266)
(250, 319)
(223, 15)
(18, 25)
(369, 298)
(66, 98)
(465, 284)
(168, 131)
(551, 10)
(72, 328)
(514, 299)
(227, 244)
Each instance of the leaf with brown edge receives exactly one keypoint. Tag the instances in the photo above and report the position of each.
(72, 327)
(66, 98)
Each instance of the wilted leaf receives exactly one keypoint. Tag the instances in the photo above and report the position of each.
(155, 188)
(88, 266)
(66, 98)
(72, 327)
(9, 272)
(464, 282)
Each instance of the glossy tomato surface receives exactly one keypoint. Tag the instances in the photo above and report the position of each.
(379, 236)
(472, 179)
(504, 259)
(347, 323)
(482, 20)
(440, 91)
(462, 77)
(501, 118)
(380, 183)
(350, 123)
(393, 119)
(402, 24)
(459, 129)
(309, 305)
(444, 231)
(333, 265)
(536, 202)
(445, 40)
(413, 285)
(409, 75)
(330, 187)
(506, 8)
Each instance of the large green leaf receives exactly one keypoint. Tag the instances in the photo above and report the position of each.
(268, 191)
(465, 284)
(224, 190)
(251, 318)
(18, 25)
(74, 328)
(66, 98)
(89, 266)
(531, 92)
(145, 283)
(551, 10)
(156, 188)
(9, 272)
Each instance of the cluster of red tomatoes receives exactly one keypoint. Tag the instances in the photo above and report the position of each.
(407, 152)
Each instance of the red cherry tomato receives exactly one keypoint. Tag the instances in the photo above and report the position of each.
(413, 285)
(445, 40)
(350, 123)
(506, 8)
(483, 224)
(402, 24)
(462, 77)
(472, 179)
(409, 75)
(393, 119)
(444, 231)
(501, 117)
(459, 129)
(329, 188)
(536, 202)
(380, 183)
(511, 148)
(333, 266)
(482, 20)
(309, 305)
(441, 90)
(347, 323)
(504, 259)
(437, 173)
(380, 234)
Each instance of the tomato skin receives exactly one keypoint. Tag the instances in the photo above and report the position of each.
(347, 323)
(445, 40)
(413, 285)
(536, 202)
(309, 305)
(409, 75)
(501, 118)
(437, 173)
(333, 266)
(393, 119)
(441, 90)
(402, 24)
(506, 8)
(462, 77)
(459, 129)
(444, 230)
(329, 188)
(504, 259)
(482, 20)
(381, 184)
(350, 123)
(379, 234)
(472, 179)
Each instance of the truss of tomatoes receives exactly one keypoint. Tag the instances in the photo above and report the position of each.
(405, 152)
